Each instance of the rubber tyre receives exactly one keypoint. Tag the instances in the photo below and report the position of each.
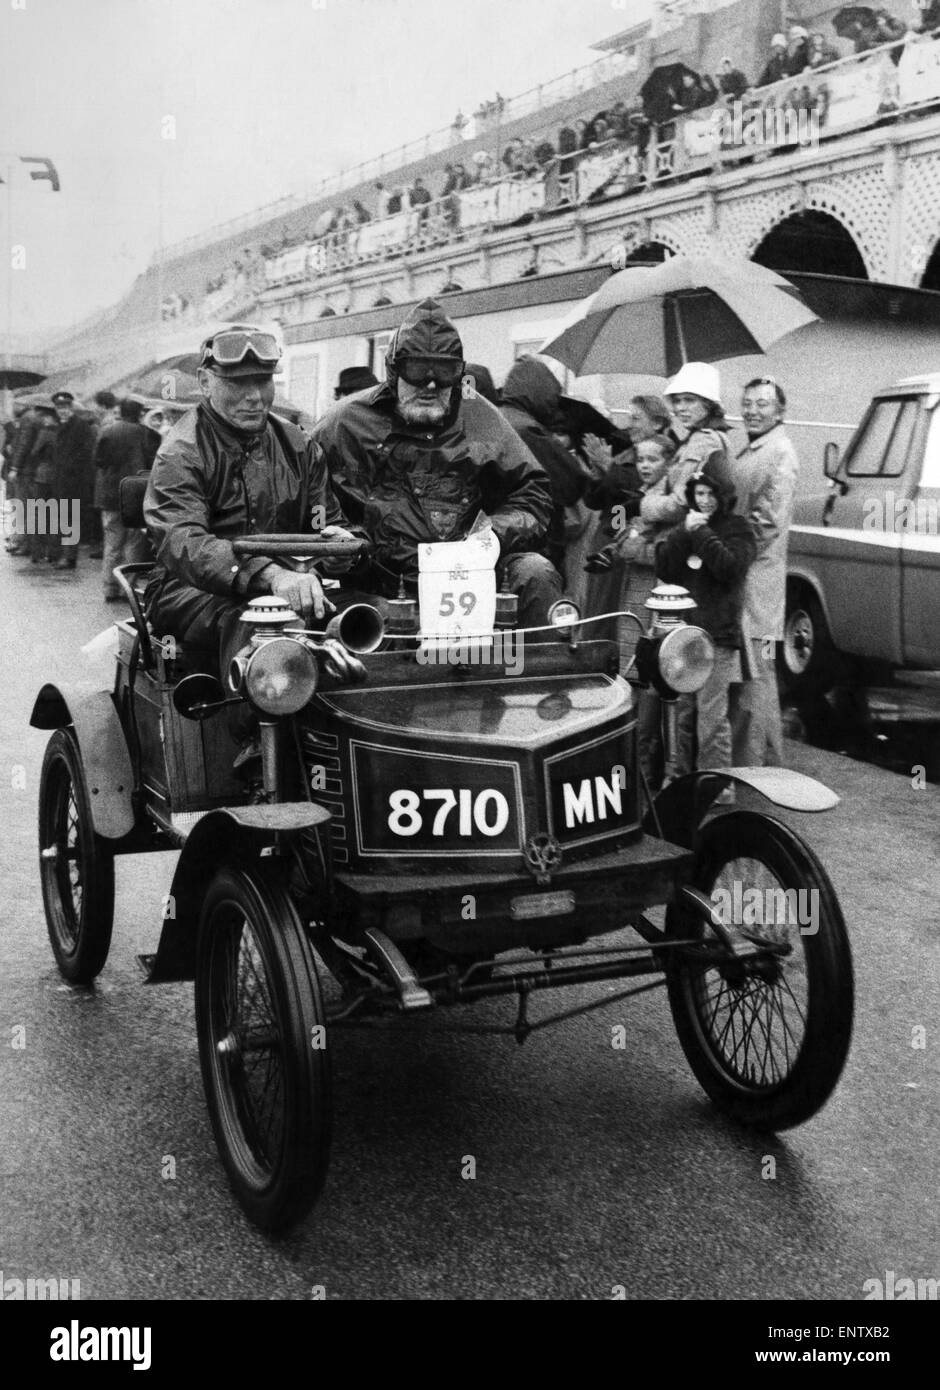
(78, 881)
(767, 1040)
(807, 661)
(258, 995)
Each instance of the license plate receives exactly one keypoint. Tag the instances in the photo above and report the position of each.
(541, 905)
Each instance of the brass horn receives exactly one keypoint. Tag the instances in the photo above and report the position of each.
(360, 628)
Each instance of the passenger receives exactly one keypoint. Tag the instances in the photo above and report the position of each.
(530, 402)
(230, 468)
(415, 460)
(709, 554)
(797, 59)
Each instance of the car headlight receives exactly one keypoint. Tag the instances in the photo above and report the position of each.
(686, 658)
(279, 677)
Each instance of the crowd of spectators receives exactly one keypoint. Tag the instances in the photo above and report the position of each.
(676, 91)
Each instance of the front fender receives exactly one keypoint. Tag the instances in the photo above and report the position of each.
(681, 807)
(236, 835)
(105, 755)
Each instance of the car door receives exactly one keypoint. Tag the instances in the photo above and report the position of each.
(859, 543)
(920, 552)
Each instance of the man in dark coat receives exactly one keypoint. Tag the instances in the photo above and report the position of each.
(418, 459)
(73, 480)
(531, 404)
(128, 447)
(776, 68)
(230, 468)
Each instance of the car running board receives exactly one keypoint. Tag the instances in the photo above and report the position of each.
(411, 995)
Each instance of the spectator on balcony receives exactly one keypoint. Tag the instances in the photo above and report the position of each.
(544, 153)
(619, 119)
(510, 156)
(797, 59)
(527, 161)
(362, 214)
(821, 51)
(458, 125)
(776, 68)
(731, 81)
(484, 167)
(381, 199)
(600, 130)
(582, 132)
(929, 15)
(394, 204)
(418, 194)
(880, 29)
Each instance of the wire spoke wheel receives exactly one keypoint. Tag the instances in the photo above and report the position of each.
(766, 1025)
(76, 867)
(259, 1018)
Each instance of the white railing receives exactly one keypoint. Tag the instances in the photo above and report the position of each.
(558, 89)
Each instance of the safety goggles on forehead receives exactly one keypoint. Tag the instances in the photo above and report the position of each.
(230, 348)
(420, 371)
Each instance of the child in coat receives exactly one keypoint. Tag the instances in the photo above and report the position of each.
(709, 554)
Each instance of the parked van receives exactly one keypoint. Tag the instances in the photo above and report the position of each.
(863, 576)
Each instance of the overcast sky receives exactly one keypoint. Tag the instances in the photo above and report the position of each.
(266, 96)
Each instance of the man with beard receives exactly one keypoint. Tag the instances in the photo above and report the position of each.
(229, 468)
(419, 458)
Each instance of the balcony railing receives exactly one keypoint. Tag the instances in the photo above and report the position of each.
(479, 128)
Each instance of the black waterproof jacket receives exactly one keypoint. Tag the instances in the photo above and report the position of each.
(530, 402)
(726, 548)
(211, 483)
(411, 483)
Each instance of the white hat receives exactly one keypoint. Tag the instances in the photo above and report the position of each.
(798, 32)
(696, 379)
(778, 39)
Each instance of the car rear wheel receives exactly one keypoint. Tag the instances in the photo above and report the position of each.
(807, 658)
(76, 866)
(766, 1025)
(262, 1046)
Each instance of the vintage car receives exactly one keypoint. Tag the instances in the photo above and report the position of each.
(433, 824)
(863, 570)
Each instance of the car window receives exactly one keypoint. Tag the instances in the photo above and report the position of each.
(930, 477)
(883, 448)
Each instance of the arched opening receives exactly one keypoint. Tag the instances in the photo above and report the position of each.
(650, 253)
(930, 279)
(812, 242)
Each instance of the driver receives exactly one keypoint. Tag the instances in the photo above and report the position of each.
(418, 459)
(230, 468)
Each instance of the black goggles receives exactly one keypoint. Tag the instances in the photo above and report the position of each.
(421, 371)
(230, 348)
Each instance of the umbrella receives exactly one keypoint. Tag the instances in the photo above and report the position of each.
(689, 309)
(12, 378)
(35, 400)
(845, 21)
(660, 88)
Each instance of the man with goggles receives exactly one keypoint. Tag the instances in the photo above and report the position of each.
(231, 468)
(419, 457)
